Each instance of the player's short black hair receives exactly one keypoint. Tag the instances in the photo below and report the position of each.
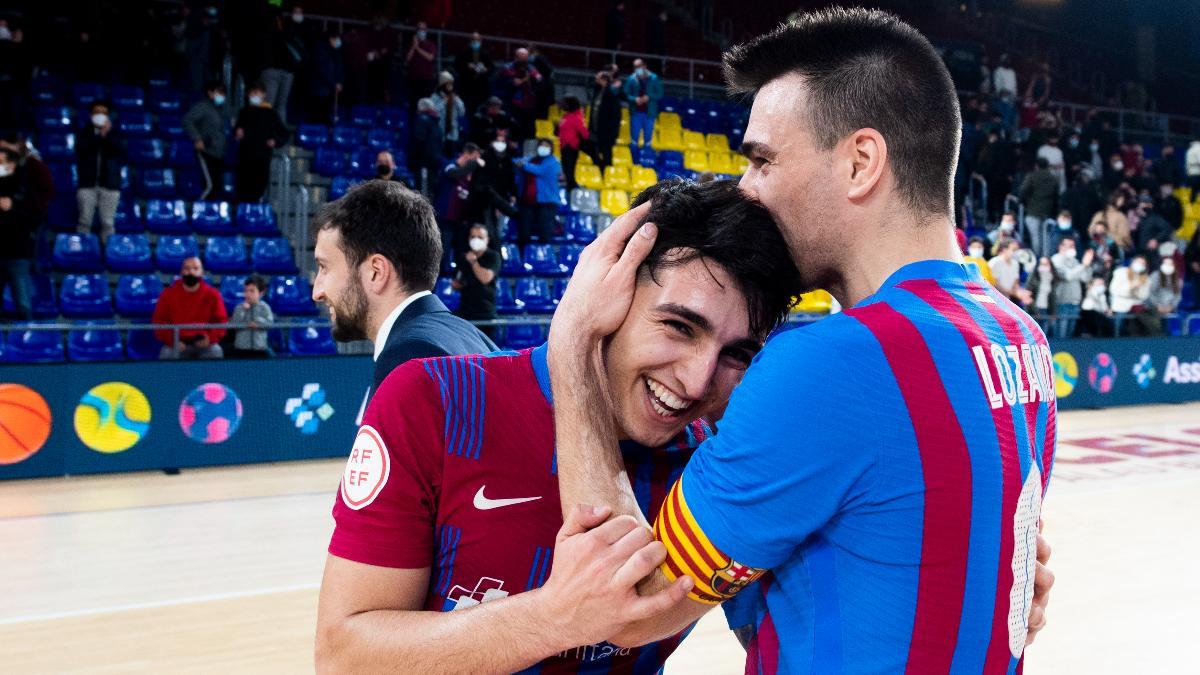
(257, 282)
(719, 223)
(384, 217)
(866, 69)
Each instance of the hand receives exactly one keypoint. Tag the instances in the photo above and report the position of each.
(239, 133)
(6, 203)
(201, 342)
(253, 324)
(1088, 256)
(199, 145)
(592, 590)
(270, 142)
(471, 256)
(337, 88)
(1043, 581)
(601, 289)
(456, 284)
(179, 347)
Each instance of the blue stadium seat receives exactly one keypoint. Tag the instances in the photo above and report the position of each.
(506, 302)
(340, 186)
(570, 256)
(233, 291)
(564, 203)
(66, 176)
(156, 183)
(273, 255)
(670, 160)
(141, 345)
(523, 336)
(312, 136)
(166, 216)
(45, 301)
(127, 97)
(84, 94)
(56, 146)
(362, 162)
(290, 295)
(533, 292)
(311, 340)
(212, 218)
(165, 101)
(63, 214)
(129, 253)
(85, 296)
(226, 255)
(137, 294)
(47, 89)
(256, 220)
(146, 151)
(645, 156)
(181, 153)
(669, 104)
(542, 260)
(54, 118)
(135, 124)
(95, 344)
(173, 249)
(34, 346)
(1191, 325)
(382, 138)
(364, 116)
(330, 160)
(77, 253)
(129, 217)
(581, 227)
(513, 265)
(347, 138)
(558, 290)
(170, 126)
(393, 117)
(450, 297)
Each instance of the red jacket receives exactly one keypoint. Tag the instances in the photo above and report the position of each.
(179, 305)
(571, 130)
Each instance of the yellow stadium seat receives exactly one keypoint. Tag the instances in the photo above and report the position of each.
(717, 143)
(614, 202)
(623, 136)
(642, 178)
(694, 140)
(555, 114)
(621, 155)
(720, 162)
(544, 128)
(584, 158)
(668, 139)
(616, 178)
(696, 161)
(624, 114)
(669, 120)
(588, 176)
(817, 302)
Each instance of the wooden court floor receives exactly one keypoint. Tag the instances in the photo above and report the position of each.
(216, 570)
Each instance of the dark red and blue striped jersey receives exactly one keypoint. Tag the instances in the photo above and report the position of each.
(887, 466)
(454, 469)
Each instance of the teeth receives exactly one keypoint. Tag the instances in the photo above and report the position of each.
(665, 402)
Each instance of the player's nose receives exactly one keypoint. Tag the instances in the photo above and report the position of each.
(696, 374)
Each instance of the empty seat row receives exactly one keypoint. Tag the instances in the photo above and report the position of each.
(539, 260)
(331, 161)
(132, 253)
(313, 136)
(176, 216)
(529, 295)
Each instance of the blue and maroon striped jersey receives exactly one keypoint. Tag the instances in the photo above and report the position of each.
(454, 469)
(887, 467)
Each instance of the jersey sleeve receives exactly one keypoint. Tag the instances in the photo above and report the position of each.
(788, 455)
(385, 510)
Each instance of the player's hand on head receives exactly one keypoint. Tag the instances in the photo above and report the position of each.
(592, 590)
(601, 288)
(1043, 581)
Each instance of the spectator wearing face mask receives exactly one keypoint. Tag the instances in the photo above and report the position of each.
(539, 193)
(1094, 158)
(1113, 216)
(1106, 255)
(1128, 293)
(18, 224)
(1095, 315)
(258, 132)
(605, 121)
(1039, 295)
(99, 154)
(476, 278)
(976, 251)
(1007, 229)
(473, 68)
(453, 204)
(385, 167)
(1054, 156)
(1082, 200)
(572, 132)
(450, 108)
(494, 188)
(1006, 269)
(204, 124)
(1153, 230)
(1168, 206)
(1166, 291)
(1064, 228)
(326, 78)
(288, 52)
(1071, 274)
(1039, 195)
(190, 300)
(490, 120)
(520, 80)
(643, 91)
(425, 146)
(421, 63)
(1114, 174)
(1192, 167)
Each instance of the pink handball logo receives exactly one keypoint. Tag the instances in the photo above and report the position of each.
(1102, 373)
(210, 413)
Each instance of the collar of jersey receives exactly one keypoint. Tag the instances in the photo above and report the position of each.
(938, 270)
(541, 369)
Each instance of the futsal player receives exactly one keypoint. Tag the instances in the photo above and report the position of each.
(881, 472)
(447, 516)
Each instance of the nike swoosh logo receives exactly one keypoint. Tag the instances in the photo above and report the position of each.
(484, 504)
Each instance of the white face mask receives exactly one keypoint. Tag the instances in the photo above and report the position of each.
(975, 252)
(298, 17)
(478, 244)
(1064, 225)
(256, 100)
(1069, 252)
(1168, 268)
(499, 146)
(1007, 226)
(543, 151)
(5, 171)
(99, 119)
(1118, 166)
(1138, 267)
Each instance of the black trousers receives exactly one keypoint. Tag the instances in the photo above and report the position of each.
(253, 174)
(536, 219)
(212, 172)
(570, 156)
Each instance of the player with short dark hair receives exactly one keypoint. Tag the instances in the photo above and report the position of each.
(449, 502)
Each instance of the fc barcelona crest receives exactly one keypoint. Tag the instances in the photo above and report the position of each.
(732, 578)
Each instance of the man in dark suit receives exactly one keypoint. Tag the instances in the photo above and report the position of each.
(377, 252)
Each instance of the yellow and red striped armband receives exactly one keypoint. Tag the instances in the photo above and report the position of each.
(689, 552)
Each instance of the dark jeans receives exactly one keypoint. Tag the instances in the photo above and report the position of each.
(16, 272)
(536, 219)
(570, 156)
(253, 174)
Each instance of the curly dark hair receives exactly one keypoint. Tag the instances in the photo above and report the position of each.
(719, 223)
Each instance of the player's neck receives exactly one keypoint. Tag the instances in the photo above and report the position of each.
(889, 247)
(381, 308)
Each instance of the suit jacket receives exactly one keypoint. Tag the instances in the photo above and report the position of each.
(426, 329)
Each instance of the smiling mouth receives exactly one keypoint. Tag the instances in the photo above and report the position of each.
(664, 401)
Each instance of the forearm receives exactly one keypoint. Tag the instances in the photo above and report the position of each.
(500, 636)
(483, 274)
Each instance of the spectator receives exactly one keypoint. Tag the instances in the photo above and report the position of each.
(1006, 270)
(493, 188)
(1113, 216)
(643, 90)
(425, 146)
(1075, 155)
(1006, 230)
(200, 29)
(1166, 291)
(326, 79)
(1153, 229)
(1094, 159)
(421, 63)
(572, 132)
(520, 80)
(205, 126)
(287, 52)
(543, 90)
(99, 151)
(1039, 194)
(995, 163)
(656, 36)
(1169, 206)
(1107, 254)
(190, 300)
(1005, 79)
(539, 193)
(1041, 87)
(478, 270)
(1040, 294)
(449, 108)
(454, 199)
(18, 225)
(1167, 169)
(1054, 157)
(1082, 200)
(1064, 229)
(380, 44)
(1191, 258)
(489, 120)
(975, 252)
(605, 123)
(1071, 275)
(258, 132)
(1128, 292)
(385, 167)
(251, 343)
(473, 68)
(1114, 175)
(1192, 165)
(1095, 316)
(36, 175)
(614, 27)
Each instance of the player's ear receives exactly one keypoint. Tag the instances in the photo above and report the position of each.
(378, 273)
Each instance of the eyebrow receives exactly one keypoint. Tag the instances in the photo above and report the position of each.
(749, 148)
(702, 322)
